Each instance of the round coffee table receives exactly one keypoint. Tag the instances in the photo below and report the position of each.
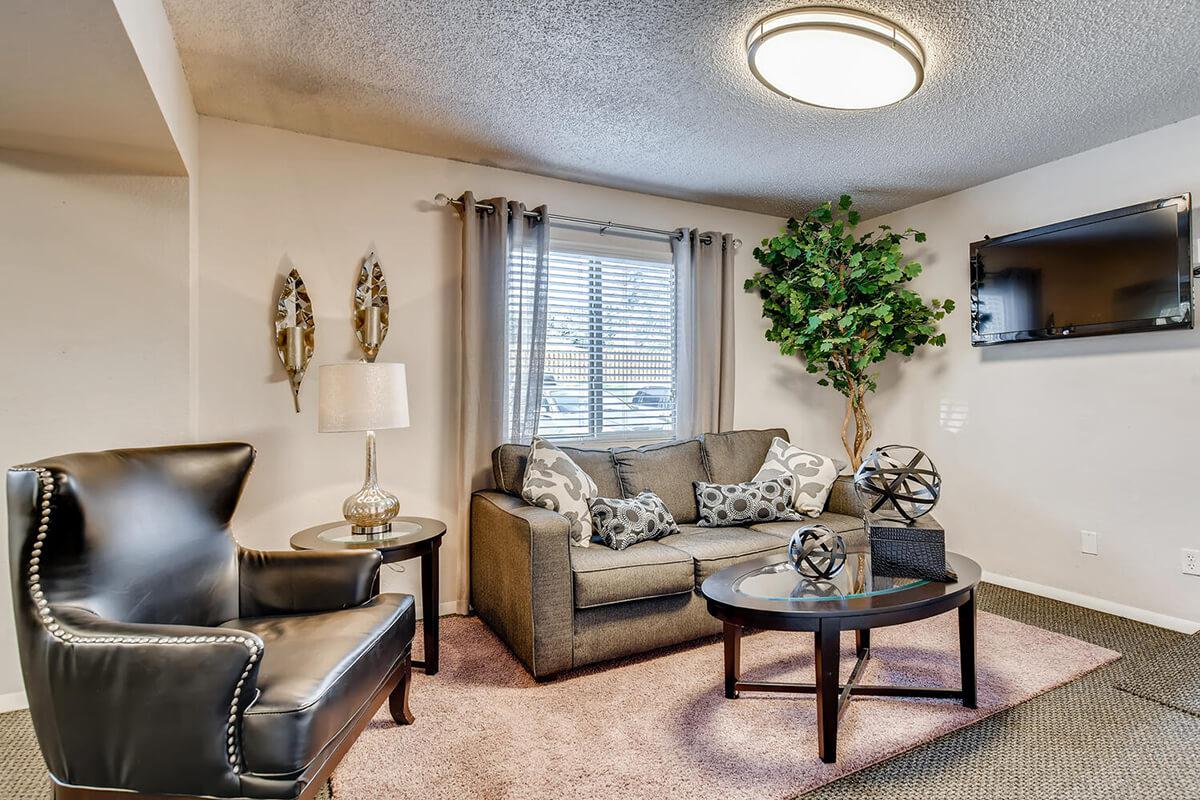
(410, 537)
(767, 594)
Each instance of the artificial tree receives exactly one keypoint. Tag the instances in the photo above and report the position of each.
(840, 302)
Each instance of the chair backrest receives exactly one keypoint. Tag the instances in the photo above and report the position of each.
(134, 535)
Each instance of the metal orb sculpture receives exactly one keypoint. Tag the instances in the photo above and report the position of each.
(898, 482)
(816, 552)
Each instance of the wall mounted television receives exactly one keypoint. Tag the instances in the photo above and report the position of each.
(1122, 271)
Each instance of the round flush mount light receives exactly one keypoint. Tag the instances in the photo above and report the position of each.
(835, 58)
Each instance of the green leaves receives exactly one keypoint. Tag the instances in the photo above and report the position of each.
(841, 302)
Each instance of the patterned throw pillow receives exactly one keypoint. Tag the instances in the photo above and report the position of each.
(554, 481)
(813, 474)
(745, 503)
(621, 523)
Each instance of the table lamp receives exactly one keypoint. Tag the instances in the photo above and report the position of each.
(365, 397)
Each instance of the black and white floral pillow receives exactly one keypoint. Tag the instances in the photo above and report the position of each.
(745, 503)
(554, 481)
(620, 523)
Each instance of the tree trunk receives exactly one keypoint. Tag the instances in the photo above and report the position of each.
(856, 409)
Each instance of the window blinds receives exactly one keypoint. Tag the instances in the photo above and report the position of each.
(610, 365)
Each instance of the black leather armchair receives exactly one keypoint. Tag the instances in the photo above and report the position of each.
(161, 658)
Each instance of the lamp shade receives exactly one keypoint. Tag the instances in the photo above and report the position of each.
(362, 396)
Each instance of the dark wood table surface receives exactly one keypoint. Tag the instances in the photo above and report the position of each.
(412, 537)
(826, 618)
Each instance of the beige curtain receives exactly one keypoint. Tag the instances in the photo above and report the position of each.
(704, 274)
(503, 345)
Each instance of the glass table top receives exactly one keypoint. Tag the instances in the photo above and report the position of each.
(781, 582)
(343, 534)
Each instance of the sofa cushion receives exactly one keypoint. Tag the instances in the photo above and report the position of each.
(712, 549)
(646, 569)
(317, 671)
(734, 456)
(510, 460)
(851, 528)
(668, 470)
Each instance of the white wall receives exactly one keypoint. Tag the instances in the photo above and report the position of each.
(1054, 437)
(270, 199)
(93, 316)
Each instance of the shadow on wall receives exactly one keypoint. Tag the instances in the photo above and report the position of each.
(301, 476)
(1146, 342)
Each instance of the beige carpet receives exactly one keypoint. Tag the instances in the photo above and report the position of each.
(658, 727)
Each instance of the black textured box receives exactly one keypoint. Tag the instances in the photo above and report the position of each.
(908, 550)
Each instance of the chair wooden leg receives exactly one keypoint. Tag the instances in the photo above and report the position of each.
(398, 699)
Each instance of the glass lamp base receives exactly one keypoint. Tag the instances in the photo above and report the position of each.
(371, 530)
(372, 509)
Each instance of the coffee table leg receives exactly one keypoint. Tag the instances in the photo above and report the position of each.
(430, 603)
(828, 646)
(733, 659)
(966, 650)
(862, 641)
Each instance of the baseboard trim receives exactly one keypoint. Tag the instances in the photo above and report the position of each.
(445, 608)
(14, 701)
(1094, 603)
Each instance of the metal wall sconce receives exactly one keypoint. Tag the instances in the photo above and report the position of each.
(295, 331)
(371, 307)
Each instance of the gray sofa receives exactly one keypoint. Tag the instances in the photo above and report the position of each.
(560, 607)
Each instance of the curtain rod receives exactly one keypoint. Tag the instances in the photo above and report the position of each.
(444, 200)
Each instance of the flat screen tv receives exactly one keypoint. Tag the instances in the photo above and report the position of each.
(1122, 271)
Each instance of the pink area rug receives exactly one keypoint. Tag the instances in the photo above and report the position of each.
(658, 727)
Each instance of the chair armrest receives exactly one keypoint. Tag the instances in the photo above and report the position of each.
(120, 692)
(305, 581)
(843, 499)
(521, 581)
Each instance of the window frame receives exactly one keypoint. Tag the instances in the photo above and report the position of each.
(595, 392)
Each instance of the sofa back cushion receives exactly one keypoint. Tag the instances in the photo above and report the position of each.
(510, 460)
(735, 456)
(668, 470)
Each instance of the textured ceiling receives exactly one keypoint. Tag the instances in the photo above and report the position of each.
(656, 96)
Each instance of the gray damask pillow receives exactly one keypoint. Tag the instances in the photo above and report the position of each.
(554, 481)
(745, 503)
(620, 523)
(813, 473)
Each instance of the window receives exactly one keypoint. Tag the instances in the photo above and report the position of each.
(610, 364)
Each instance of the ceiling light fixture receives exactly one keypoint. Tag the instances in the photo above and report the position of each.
(835, 58)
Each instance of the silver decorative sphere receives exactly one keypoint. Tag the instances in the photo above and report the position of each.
(816, 551)
(898, 482)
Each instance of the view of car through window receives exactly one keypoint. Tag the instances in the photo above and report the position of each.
(610, 353)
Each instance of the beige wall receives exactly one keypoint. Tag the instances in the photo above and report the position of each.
(93, 316)
(1038, 441)
(269, 199)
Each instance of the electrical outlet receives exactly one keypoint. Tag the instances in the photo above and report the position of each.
(1089, 543)
(1191, 561)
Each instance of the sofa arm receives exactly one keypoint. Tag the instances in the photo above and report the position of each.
(305, 581)
(843, 499)
(521, 579)
(127, 691)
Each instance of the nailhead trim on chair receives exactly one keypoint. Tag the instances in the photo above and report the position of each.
(46, 479)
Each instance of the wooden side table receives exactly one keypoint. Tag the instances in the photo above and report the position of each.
(410, 537)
